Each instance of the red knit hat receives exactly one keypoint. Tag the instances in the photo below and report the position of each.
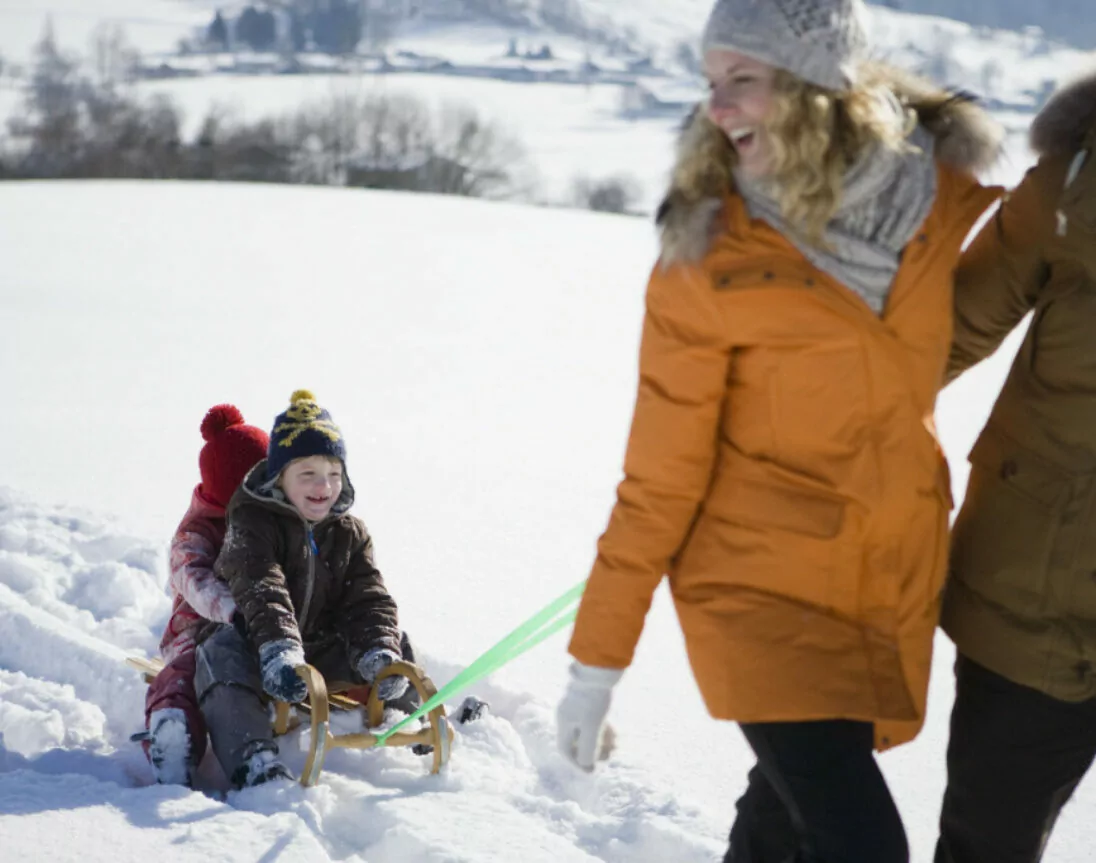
(231, 450)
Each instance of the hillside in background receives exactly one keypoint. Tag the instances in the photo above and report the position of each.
(1072, 21)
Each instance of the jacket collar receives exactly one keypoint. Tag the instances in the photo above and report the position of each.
(965, 136)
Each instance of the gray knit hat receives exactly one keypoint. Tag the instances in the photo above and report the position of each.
(820, 41)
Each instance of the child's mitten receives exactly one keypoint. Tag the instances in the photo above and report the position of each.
(370, 665)
(278, 661)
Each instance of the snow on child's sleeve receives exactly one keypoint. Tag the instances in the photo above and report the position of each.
(192, 576)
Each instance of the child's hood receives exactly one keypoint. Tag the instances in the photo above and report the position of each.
(202, 508)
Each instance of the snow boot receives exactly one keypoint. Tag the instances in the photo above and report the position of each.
(471, 709)
(260, 766)
(167, 745)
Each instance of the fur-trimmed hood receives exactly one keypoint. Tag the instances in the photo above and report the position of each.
(1061, 126)
(966, 138)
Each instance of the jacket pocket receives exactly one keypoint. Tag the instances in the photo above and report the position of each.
(771, 506)
(1019, 469)
(773, 539)
(1005, 531)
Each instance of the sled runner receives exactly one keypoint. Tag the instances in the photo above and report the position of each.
(436, 733)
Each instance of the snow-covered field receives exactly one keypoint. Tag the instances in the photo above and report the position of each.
(481, 361)
(567, 130)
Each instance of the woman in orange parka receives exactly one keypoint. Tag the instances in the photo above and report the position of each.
(782, 466)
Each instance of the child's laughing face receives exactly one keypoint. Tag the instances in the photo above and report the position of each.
(313, 485)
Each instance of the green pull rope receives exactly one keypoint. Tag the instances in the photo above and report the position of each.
(542, 625)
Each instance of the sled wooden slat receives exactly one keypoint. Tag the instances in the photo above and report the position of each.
(148, 667)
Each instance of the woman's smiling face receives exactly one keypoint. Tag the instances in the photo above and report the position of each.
(742, 98)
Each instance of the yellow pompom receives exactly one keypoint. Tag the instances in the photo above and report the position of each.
(301, 396)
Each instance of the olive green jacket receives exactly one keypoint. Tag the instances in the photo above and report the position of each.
(1021, 597)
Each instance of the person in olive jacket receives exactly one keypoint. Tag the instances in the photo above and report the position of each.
(1021, 599)
(301, 571)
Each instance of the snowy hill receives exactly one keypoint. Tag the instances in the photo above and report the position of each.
(152, 25)
(481, 360)
(1070, 21)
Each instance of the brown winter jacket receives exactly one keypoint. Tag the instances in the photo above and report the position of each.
(781, 466)
(286, 589)
(1022, 594)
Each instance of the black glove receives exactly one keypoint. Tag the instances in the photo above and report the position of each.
(278, 661)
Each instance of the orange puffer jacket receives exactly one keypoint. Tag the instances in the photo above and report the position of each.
(782, 466)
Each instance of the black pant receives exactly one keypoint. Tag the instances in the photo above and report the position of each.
(1014, 758)
(816, 796)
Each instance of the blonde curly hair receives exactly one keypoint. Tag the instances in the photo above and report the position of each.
(818, 134)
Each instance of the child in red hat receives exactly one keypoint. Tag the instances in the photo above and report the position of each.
(175, 731)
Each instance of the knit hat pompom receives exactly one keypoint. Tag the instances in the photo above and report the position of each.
(305, 429)
(218, 418)
(232, 448)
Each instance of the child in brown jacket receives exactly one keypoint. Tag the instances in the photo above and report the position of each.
(301, 571)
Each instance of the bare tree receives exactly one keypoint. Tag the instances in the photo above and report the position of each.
(48, 128)
(397, 142)
(617, 194)
(473, 156)
(114, 60)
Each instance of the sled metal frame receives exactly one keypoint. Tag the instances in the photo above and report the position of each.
(437, 733)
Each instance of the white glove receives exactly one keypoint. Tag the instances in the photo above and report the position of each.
(582, 734)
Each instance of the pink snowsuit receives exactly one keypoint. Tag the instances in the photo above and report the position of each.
(198, 596)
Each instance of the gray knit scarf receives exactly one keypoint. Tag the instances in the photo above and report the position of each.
(885, 198)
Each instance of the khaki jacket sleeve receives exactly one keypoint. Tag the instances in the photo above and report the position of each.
(683, 367)
(1000, 275)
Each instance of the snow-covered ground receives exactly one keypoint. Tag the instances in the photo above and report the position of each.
(566, 130)
(481, 360)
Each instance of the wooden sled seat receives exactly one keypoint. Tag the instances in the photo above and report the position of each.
(437, 732)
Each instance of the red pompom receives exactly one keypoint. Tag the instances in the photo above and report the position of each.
(219, 418)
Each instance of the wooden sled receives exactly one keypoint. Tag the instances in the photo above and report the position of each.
(437, 733)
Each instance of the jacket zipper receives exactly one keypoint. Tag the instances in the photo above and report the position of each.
(313, 553)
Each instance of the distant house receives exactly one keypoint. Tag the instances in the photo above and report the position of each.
(253, 63)
(668, 98)
(165, 71)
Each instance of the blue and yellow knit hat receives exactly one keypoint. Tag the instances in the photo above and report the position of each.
(304, 430)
